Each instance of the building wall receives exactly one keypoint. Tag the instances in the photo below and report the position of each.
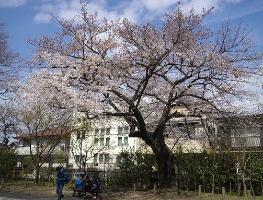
(102, 144)
(23, 150)
(242, 132)
(249, 137)
(107, 137)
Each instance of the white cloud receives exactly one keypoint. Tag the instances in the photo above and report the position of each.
(11, 3)
(43, 17)
(158, 4)
(200, 5)
(135, 10)
(69, 9)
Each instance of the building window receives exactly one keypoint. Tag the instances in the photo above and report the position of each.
(119, 141)
(95, 160)
(78, 135)
(96, 141)
(107, 131)
(26, 143)
(102, 141)
(18, 164)
(83, 134)
(107, 158)
(126, 141)
(77, 158)
(62, 147)
(126, 130)
(118, 160)
(119, 130)
(97, 131)
(107, 141)
(101, 158)
(102, 132)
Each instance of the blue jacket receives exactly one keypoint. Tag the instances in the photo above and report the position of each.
(79, 184)
(61, 177)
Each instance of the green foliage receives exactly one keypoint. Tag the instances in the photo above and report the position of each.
(27, 162)
(7, 161)
(135, 168)
(208, 168)
(255, 166)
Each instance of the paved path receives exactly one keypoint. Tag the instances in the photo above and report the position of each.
(14, 196)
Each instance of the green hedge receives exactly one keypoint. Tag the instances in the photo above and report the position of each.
(221, 169)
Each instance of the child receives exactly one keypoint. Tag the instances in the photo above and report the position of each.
(94, 187)
(79, 186)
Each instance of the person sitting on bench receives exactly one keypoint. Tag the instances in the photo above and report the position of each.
(93, 187)
(79, 186)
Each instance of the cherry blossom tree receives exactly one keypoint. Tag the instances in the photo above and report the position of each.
(43, 128)
(8, 84)
(7, 56)
(142, 72)
(8, 123)
(43, 131)
(8, 80)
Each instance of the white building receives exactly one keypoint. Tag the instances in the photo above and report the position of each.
(53, 144)
(100, 145)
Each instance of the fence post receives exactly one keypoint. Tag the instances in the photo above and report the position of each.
(154, 187)
(199, 190)
(223, 192)
(134, 187)
(249, 194)
(49, 180)
(239, 188)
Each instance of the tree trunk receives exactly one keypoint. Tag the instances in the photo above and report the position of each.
(203, 177)
(2, 182)
(187, 189)
(244, 184)
(251, 187)
(213, 184)
(49, 180)
(239, 188)
(37, 174)
(164, 158)
(230, 187)
(26, 180)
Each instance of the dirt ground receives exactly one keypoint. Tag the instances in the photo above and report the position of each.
(19, 191)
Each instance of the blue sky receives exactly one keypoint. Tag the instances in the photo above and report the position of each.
(28, 19)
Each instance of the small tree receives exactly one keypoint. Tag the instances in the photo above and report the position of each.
(81, 149)
(8, 125)
(44, 130)
(256, 168)
(7, 163)
(8, 80)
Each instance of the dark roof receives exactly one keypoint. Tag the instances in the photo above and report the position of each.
(47, 132)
